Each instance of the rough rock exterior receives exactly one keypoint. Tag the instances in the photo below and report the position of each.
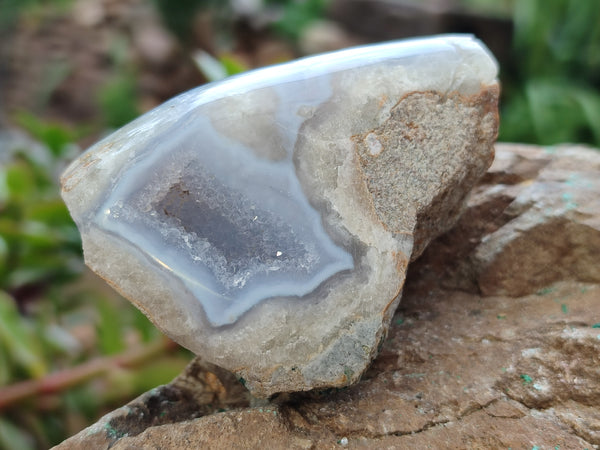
(266, 222)
(538, 215)
(469, 361)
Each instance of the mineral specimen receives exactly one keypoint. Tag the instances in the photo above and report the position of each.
(266, 221)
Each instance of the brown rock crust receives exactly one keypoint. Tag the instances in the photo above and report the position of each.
(420, 127)
(464, 365)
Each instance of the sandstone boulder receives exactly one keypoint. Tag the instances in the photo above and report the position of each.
(467, 363)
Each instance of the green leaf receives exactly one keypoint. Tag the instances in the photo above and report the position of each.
(589, 100)
(4, 189)
(110, 328)
(215, 69)
(159, 372)
(146, 328)
(52, 213)
(5, 366)
(180, 19)
(118, 101)
(553, 94)
(55, 136)
(232, 65)
(561, 111)
(297, 15)
(84, 400)
(14, 438)
(17, 337)
(3, 254)
(516, 124)
(20, 181)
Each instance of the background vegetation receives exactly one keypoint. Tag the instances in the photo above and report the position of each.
(552, 89)
(71, 349)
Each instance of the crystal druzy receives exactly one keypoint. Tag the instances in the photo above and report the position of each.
(274, 213)
(233, 227)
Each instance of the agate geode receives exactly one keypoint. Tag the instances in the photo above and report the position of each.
(266, 221)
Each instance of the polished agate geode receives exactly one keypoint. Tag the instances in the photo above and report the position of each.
(233, 228)
(266, 221)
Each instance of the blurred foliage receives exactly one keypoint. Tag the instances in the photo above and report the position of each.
(39, 242)
(291, 16)
(297, 15)
(552, 92)
(180, 19)
(215, 69)
(56, 72)
(10, 10)
(118, 97)
(498, 8)
(57, 138)
(118, 100)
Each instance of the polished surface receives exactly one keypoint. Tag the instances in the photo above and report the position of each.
(266, 221)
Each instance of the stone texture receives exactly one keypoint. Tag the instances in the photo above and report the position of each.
(266, 221)
(459, 368)
(542, 226)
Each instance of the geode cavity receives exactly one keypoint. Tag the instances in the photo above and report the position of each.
(266, 221)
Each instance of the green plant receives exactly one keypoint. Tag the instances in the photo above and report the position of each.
(215, 69)
(38, 240)
(118, 97)
(553, 90)
(10, 10)
(180, 18)
(118, 100)
(297, 15)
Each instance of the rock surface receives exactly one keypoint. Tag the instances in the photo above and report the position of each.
(265, 222)
(460, 368)
(540, 207)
